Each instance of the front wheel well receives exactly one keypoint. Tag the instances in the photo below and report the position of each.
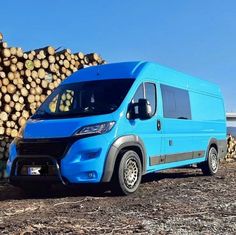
(125, 149)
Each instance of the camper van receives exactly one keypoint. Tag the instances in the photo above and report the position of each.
(115, 123)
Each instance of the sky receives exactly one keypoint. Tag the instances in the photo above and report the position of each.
(197, 37)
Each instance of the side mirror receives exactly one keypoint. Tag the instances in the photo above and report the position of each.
(144, 109)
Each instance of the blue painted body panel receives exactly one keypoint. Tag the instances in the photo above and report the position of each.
(88, 155)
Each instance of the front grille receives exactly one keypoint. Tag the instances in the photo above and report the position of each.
(53, 147)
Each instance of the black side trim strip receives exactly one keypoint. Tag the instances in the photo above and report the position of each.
(155, 160)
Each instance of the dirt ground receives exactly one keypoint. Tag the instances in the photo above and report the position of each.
(179, 201)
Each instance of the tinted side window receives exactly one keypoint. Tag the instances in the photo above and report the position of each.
(150, 94)
(139, 94)
(176, 103)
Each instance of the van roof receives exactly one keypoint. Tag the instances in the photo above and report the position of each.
(142, 69)
(106, 71)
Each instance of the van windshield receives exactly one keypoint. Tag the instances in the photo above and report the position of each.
(84, 99)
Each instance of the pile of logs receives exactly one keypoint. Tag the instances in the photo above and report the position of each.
(4, 146)
(231, 149)
(27, 78)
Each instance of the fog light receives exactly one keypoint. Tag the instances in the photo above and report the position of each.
(92, 154)
(91, 175)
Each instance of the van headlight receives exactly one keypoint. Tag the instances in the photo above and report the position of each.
(100, 128)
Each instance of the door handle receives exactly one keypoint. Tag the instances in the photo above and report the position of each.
(158, 125)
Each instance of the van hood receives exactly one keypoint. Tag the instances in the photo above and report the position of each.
(58, 128)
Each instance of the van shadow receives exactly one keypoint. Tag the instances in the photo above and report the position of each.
(170, 175)
(9, 192)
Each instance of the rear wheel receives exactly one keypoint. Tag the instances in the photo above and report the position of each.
(128, 173)
(211, 166)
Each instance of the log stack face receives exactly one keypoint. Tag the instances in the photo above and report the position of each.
(27, 78)
(231, 149)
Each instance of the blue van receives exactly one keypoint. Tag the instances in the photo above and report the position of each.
(116, 122)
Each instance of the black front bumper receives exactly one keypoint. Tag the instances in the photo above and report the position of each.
(50, 172)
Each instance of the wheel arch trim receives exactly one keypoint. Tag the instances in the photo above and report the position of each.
(221, 147)
(119, 144)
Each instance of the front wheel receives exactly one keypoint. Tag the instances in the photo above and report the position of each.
(128, 173)
(211, 166)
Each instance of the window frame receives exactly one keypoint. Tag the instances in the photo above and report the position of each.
(155, 87)
(143, 84)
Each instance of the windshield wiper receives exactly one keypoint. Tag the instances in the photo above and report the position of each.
(43, 114)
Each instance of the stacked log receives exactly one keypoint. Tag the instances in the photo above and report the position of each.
(27, 78)
(231, 149)
(4, 146)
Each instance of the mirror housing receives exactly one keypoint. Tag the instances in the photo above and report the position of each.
(144, 109)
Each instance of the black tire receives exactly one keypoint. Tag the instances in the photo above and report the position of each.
(128, 173)
(211, 165)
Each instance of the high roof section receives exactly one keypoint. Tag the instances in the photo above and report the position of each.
(172, 77)
(143, 70)
(107, 71)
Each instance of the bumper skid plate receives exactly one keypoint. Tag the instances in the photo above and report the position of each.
(35, 168)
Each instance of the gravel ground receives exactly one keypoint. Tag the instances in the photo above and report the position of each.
(180, 201)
